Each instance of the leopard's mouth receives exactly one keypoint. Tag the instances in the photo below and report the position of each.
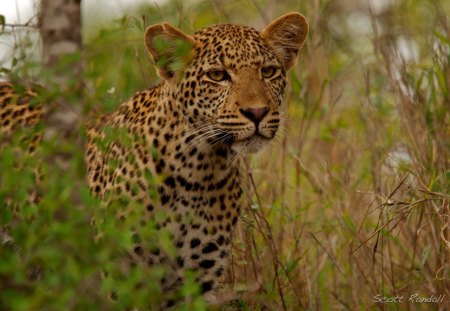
(251, 144)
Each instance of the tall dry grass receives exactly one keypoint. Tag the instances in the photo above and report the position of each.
(353, 200)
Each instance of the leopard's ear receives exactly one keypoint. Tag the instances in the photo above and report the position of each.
(285, 36)
(171, 49)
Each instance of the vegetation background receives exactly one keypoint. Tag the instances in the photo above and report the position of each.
(352, 201)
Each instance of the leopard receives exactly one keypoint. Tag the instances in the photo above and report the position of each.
(20, 108)
(219, 100)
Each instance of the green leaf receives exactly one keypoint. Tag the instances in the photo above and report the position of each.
(2, 22)
(425, 254)
(14, 62)
(442, 38)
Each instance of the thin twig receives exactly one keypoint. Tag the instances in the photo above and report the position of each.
(14, 26)
(328, 253)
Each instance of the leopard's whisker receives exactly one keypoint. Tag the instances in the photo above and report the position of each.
(191, 132)
(202, 137)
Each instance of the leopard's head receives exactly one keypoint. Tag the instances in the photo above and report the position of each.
(229, 79)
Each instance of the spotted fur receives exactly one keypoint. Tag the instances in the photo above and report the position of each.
(20, 112)
(218, 101)
(15, 108)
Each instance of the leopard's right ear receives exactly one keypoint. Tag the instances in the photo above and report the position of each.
(171, 49)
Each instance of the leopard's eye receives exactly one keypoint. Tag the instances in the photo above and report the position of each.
(218, 75)
(268, 72)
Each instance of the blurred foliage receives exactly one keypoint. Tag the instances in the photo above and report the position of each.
(351, 202)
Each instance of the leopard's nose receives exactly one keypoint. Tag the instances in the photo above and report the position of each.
(255, 114)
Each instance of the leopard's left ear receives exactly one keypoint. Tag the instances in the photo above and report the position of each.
(285, 36)
(170, 48)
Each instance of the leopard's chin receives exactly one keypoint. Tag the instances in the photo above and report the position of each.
(250, 145)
